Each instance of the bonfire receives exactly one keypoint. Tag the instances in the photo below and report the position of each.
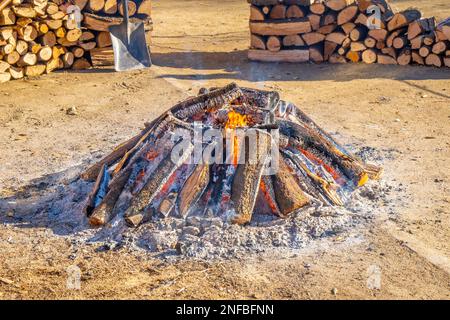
(229, 152)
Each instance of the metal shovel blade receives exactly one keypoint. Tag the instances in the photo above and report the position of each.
(129, 45)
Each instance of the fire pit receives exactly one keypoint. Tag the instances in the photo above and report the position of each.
(230, 152)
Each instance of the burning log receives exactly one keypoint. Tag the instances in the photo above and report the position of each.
(259, 154)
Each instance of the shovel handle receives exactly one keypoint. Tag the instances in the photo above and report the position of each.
(125, 10)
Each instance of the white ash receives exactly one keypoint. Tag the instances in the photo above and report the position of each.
(59, 208)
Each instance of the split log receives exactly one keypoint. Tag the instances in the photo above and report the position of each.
(257, 42)
(404, 57)
(378, 34)
(370, 42)
(278, 12)
(131, 8)
(357, 46)
(336, 37)
(316, 53)
(328, 18)
(421, 26)
(403, 19)
(348, 27)
(16, 72)
(338, 5)
(22, 47)
(81, 64)
(88, 45)
(256, 13)
(12, 58)
(433, 60)
(193, 188)
(444, 28)
(87, 36)
(45, 54)
(390, 51)
(293, 40)
(145, 8)
(312, 38)
(369, 56)
(77, 52)
(361, 19)
(415, 56)
(96, 5)
(28, 33)
(99, 23)
(273, 44)
(52, 65)
(110, 7)
(328, 49)
(346, 15)
(424, 51)
(34, 71)
(102, 57)
(25, 12)
(54, 24)
(4, 77)
(294, 12)
(4, 66)
(327, 29)
(68, 59)
(7, 17)
(317, 8)
(288, 194)
(400, 42)
(393, 35)
(28, 59)
(447, 61)
(280, 28)
(438, 48)
(280, 56)
(314, 21)
(336, 58)
(48, 39)
(385, 59)
(358, 33)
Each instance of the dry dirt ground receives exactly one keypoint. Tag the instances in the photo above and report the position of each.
(402, 112)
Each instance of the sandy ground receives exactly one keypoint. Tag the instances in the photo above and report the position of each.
(402, 112)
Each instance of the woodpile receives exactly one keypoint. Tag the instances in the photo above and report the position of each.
(41, 36)
(341, 31)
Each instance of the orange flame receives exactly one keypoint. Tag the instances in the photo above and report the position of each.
(315, 159)
(235, 120)
(267, 196)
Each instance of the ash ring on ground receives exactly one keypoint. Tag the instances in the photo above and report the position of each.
(57, 204)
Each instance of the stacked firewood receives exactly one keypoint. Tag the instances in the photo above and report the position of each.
(40, 36)
(341, 31)
(36, 37)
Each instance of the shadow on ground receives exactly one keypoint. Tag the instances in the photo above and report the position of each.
(52, 201)
(236, 65)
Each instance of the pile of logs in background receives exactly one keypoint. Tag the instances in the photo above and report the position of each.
(39, 36)
(337, 31)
